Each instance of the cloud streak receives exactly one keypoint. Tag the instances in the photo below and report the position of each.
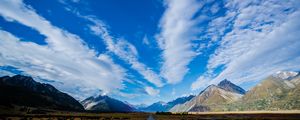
(177, 29)
(263, 39)
(124, 50)
(65, 58)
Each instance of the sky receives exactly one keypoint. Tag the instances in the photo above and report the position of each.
(144, 51)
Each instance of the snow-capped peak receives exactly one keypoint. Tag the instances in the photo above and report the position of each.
(285, 74)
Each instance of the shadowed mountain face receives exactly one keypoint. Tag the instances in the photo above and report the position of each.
(106, 104)
(179, 100)
(228, 86)
(162, 106)
(24, 91)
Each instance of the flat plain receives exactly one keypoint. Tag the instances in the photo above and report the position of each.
(272, 115)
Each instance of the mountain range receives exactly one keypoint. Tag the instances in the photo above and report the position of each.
(24, 91)
(280, 91)
(211, 97)
(164, 107)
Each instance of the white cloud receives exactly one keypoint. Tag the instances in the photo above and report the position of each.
(65, 58)
(151, 91)
(178, 27)
(215, 8)
(125, 50)
(201, 82)
(279, 50)
(264, 39)
(6, 73)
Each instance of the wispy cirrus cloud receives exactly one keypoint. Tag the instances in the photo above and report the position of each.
(241, 41)
(263, 39)
(151, 91)
(177, 29)
(126, 51)
(65, 58)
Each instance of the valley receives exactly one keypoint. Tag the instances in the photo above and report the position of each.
(275, 97)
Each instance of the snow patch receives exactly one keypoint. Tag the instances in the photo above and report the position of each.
(285, 74)
(90, 105)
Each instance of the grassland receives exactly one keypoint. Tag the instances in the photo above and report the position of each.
(61, 115)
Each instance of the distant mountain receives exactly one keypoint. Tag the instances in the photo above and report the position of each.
(162, 106)
(24, 91)
(129, 104)
(158, 106)
(140, 106)
(277, 92)
(179, 100)
(106, 104)
(211, 98)
(280, 91)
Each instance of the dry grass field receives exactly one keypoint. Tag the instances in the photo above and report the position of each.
(272, 115)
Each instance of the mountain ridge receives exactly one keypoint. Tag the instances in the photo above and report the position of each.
(279, 91)
(229, 86)
(212, 95)
(272, 93)
(163, 106)
(24, 91)
(106, 104)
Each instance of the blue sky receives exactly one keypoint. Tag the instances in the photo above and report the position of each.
(143, 51)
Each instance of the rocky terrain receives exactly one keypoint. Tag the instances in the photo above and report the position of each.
(213, 97)
(280, 91)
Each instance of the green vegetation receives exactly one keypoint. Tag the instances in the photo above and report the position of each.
(271, 95)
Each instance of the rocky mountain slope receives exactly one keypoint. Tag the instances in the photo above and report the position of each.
(280, 91)
(277, 92)
(286, 75)
(211, 98)
(24, 91)
(106, 104)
